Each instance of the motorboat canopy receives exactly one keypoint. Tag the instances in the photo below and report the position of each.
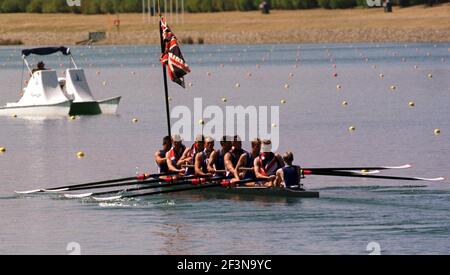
(46, 51)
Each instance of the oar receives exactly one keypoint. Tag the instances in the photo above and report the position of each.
(143, 182)
(350, 174)
(360, 168)
(193, 180)
(223, 183)
(69, 187)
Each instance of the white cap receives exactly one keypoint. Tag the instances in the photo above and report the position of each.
(266, 146)
(176, 138)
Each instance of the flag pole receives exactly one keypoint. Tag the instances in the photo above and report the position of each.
(164, 72)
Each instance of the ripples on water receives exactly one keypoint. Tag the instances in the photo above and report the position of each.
(404, 217)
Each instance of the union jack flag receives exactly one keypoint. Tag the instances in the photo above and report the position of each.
(172, 56)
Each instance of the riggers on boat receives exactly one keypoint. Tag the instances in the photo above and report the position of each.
(46, 95)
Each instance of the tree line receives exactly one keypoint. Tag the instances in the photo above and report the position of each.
(130, 6)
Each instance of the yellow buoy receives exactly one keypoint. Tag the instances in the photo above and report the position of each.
(430, 76)
(338, 87)
(224, 99)
(352, 128)
(286, 86)
(274, 125)
(201, 122)
(14, 115)
(437, 132)
(344, 103)
(283, 101)
(2, 149)
(135, 120)
(73, 117)
(169, 98)
(291, 75)
(80, 154)
(237, 85)
(393, 88)
(411, 104)
(381, 75)
(104, 83)
(190, 84)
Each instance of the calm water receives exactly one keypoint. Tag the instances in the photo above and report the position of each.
(403, 217)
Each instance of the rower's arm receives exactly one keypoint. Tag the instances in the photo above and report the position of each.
(184, 158)
(257, 168)
(159, 160)
(279, 177)
(170, 165)
(229, 165)
(198, 165)
(211, 162)
(241, 161)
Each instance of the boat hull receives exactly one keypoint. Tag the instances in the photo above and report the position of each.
(109, 106)
(261, 191)
(85, 108)
(106, 106)
(50, 110)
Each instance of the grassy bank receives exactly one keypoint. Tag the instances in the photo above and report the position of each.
(414, 24)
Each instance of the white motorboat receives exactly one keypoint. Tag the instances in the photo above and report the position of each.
(46, 95)
(42, 96)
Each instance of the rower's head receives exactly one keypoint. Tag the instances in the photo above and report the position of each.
(41, 65)
(266, 146)
(288, 158)
(167, 143)
(209, 143)
(177, 142)
(200, 142)
(226, 143)
(237, 142)
(256, 145)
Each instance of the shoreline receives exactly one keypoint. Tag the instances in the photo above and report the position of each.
(412, 25)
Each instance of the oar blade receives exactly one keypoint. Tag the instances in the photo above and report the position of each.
(78, 196)
(432, 179)
(28, 192)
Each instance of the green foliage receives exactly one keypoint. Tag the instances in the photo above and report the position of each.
(35, 6)
(10, 6)
(325, 4)
(361, 3)
(342, 4)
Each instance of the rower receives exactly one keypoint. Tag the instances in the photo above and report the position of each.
(202, 158)
(290, 175)
(160, 155)
(246, 161)
(173, 156)
(267, 163)
(216, 164)
(188, 157)
(232, 157)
